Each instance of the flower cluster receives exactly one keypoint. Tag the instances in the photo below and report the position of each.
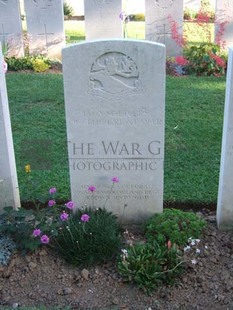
(192, 250)
(43, 238)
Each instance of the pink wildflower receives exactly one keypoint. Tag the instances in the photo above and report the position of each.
(92, 188)
(52, 190)
(115, 180)
(36, 232)
(85, 218)
(180, 60)
(44, 239)
(51, 203)
(219, 61)
(70, 205)
(64, 216)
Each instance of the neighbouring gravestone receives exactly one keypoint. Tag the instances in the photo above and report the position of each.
(164, 24)
(9, 191)
(224, 23)
(45, 27)
(115, 104)
(102, 19)
(225, 192)
(11, 36)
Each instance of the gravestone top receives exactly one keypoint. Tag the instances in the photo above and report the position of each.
(160, 18)
(102, 19)
(45, 26)
(11, 34)
(116, 101)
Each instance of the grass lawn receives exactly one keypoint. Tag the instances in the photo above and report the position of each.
(194, 33)
(194, 116)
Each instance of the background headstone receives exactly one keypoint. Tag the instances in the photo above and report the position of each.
(161, 16)
(224, 23)
(11, 36)
(115, 104)
(9, 191)
(102, 19)
(225, 192)
(45, 27)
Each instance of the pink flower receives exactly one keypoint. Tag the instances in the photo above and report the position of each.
(70, 205)
(115, 180)
(52, 190)
(85, 218)
(92, 188)
(44, 239)
(51, 203)
(36, 232)
(64, 216)
(5, 67)
(180, 60)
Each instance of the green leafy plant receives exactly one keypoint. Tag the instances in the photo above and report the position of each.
(149, 265)
(175, 226)
(206, 59)
(83, 237)
(40, 65)
(68, 10)
(37, 63)
(88, 237)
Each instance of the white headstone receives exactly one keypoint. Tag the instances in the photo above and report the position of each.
(11, 36)
(102, 19)
(9, 191)
(162, 17)
(115, 103)
(224, 23)
(45, 27)
(225, 192)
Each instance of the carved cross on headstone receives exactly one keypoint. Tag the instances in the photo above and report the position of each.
(46, 34)
(162, 32)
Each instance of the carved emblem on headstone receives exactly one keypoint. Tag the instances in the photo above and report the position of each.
(114, 75)
(164, 4)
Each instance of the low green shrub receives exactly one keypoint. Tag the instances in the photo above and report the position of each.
(175, 226)
(206, 59)
(140, 17)
(149, 265)
(37, 63)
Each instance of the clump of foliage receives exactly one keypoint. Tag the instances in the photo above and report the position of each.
(206, 59)
(89, 241)
(140, 17)
(68, 10)
(175, 226)
(35, 63)
(150, 265)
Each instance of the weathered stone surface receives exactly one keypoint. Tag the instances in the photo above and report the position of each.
(115, 125)
(9, 190)
(225, 192)
(45, 27)
(102, 19)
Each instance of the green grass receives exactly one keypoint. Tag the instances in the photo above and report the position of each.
(194, 116)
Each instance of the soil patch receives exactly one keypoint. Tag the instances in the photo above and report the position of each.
(44, 279)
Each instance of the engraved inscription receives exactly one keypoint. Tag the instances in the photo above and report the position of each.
(101, 2)
(164, 4)
(114, 75)
(42, 4)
